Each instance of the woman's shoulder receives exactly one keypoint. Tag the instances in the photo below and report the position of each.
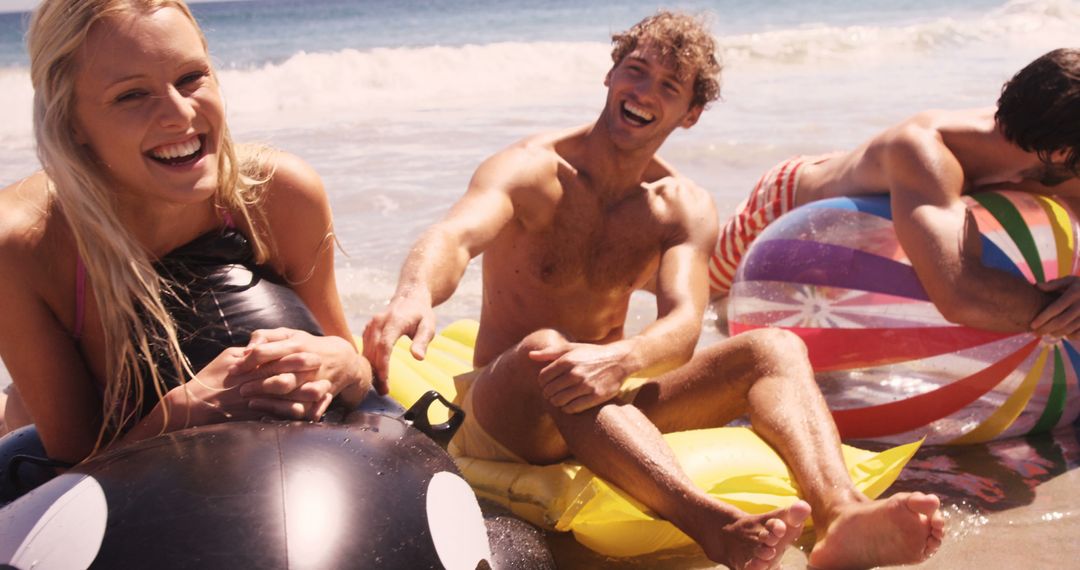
(37, 252)
(296, 210)
(294, 188)
(26, 213)
(288, 173)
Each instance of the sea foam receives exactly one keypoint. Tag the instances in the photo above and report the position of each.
(342, 86)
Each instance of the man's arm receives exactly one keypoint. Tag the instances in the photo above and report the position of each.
(1061, 318)
(438, 260)
(682, 289)
(583, 376)
(942, 240)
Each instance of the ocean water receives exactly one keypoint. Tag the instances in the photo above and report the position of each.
(395, 102)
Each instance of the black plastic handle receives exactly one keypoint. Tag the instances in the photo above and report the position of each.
(43, 462)
(417, 416)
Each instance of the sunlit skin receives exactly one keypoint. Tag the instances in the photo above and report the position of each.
(569, 288)
(149, 114)
(646, 99)
(927, 163)
(571, 223)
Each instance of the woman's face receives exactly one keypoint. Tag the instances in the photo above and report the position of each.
(148, 106)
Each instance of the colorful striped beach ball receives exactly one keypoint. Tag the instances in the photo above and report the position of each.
(891, 367)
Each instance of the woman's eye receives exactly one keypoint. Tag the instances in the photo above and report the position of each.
(128, 96)
(191, 78)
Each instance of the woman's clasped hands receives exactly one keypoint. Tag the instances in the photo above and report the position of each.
(283, 373)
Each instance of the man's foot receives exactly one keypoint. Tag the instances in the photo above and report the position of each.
(757, 542)
(903, 529)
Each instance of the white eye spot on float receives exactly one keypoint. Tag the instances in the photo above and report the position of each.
(58, 525)
(456, 523)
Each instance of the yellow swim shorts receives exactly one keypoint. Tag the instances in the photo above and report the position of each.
(472, 440)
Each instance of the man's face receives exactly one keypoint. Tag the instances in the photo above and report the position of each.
(647, 99)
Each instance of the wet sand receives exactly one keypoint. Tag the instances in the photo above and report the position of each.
(1008, 504)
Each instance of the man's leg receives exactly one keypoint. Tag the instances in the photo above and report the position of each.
(766, 374)
(620, 444)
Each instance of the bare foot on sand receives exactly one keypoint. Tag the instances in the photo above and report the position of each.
(757, 542)
(903, 529)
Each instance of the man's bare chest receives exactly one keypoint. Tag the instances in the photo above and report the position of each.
(614, 250)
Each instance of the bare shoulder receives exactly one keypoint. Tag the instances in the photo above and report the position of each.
(916, 133)
(527, 164)
(678, 192)
(297, 211)
(294, 182)
(295, 199)
(914, 147)
(24, 215)
(531, 174)
(686, 209)
(36, 249)
(930, 132)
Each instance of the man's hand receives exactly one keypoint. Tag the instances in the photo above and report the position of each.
(407, 316)
(1061, 318)
(581, 376)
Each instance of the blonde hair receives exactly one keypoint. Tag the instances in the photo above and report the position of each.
(127, 290)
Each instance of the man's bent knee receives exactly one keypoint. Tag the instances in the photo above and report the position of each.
(516, 368)
(777, 345)
(542, 339)
(773, 350)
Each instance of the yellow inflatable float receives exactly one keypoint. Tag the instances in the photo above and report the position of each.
(731, 463)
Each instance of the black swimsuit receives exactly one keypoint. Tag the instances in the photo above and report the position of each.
(218, 296)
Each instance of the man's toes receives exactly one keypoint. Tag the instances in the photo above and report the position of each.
(757, 564)
(765, 553)
(775, 529)
(937, 531)
(923, 504)
(797, 513)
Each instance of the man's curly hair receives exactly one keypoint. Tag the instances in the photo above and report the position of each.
(683, 39)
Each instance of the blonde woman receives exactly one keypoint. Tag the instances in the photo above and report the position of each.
(124, 262)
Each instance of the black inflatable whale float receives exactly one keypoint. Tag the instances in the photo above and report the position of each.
(369, 492)
(364, 489)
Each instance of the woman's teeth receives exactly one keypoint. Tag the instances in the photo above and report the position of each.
(173, 153)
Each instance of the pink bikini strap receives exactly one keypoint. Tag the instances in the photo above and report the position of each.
(80, 283)
(80, 296)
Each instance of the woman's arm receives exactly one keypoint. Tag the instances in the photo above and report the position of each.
(44, 361)
(55, 386)
(293, 365)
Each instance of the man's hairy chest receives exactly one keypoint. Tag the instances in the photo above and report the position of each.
(613, 250)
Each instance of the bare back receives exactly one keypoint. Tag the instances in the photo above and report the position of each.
(927, 164)
(864, 170)
(966, 141)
